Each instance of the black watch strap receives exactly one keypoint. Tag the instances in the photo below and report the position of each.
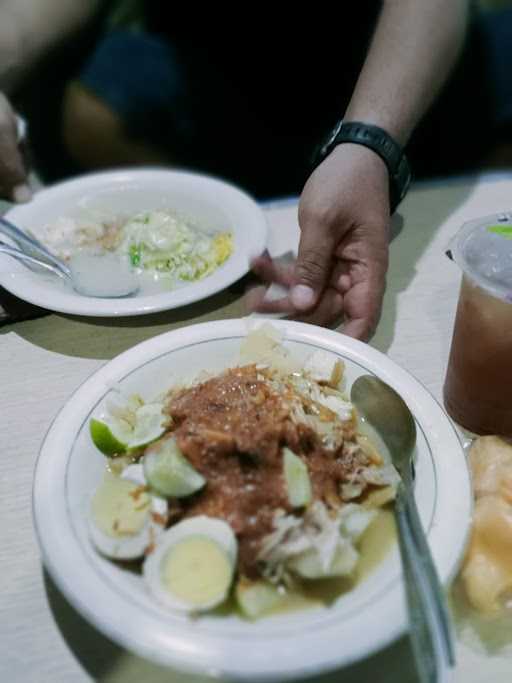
(381, 143)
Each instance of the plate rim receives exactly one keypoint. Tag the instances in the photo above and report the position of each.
(154, 303)
(148, 350)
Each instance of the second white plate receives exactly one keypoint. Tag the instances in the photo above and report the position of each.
(213, 203)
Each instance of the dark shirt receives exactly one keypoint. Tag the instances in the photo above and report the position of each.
(293, 69)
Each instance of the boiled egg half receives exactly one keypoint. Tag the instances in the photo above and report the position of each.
(192, 566)
(125, 518)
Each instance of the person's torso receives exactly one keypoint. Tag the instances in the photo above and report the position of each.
(283, 63)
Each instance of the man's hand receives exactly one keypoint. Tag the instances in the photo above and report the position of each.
(344, 208)
(13, 175)
(343, 251)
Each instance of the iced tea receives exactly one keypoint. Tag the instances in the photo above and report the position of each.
(478, 386)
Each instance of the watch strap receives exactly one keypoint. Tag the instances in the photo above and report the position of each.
(381, 143)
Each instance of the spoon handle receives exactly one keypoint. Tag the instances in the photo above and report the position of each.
(429, 570)
(25, 258)
(30, 245)
(428, 617)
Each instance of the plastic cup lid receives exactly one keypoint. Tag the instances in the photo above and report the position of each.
(483, 249)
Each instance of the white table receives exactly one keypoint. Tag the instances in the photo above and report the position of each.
(42, 362)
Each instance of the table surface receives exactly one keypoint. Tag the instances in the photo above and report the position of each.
(42, 638)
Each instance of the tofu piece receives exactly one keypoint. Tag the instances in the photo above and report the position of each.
(324, 368)
(342, 409)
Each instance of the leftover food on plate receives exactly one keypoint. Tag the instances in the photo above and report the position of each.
(253, 487)
(487, 570)
(167, 245)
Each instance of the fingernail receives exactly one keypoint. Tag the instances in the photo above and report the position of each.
(21, 193)
(302, 297)
(275, 292)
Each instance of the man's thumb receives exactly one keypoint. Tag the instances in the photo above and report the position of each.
(311, 270)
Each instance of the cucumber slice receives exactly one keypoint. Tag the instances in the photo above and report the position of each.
(169, 472)
(255, 598)
(297, 479)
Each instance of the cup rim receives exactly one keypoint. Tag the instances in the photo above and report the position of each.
(456, 249)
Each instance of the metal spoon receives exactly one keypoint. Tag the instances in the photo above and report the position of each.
(29, 244)
(84, 276)
(429, 621)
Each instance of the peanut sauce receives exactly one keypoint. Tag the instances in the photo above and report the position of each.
(232, 429)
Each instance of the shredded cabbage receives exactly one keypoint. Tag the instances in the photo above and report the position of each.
(165, 242)
(384, 475)
(317, 533)
(154, 240)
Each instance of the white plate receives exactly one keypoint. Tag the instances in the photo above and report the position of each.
(286, 646)
(213, 203)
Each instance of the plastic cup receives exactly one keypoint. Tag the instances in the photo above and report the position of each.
(478, 384)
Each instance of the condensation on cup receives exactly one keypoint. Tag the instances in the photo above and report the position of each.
(478, 384)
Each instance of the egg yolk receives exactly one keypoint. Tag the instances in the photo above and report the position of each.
(120, 507)
(197, 570)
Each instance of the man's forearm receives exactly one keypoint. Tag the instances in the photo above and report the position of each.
(30, 27)
(414, 48)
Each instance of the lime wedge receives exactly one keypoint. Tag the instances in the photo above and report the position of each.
(168, 472)
(117, 436)
(149, 425)
(105, 440)
(503, 230)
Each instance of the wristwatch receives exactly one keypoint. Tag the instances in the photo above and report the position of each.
(381, 143)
